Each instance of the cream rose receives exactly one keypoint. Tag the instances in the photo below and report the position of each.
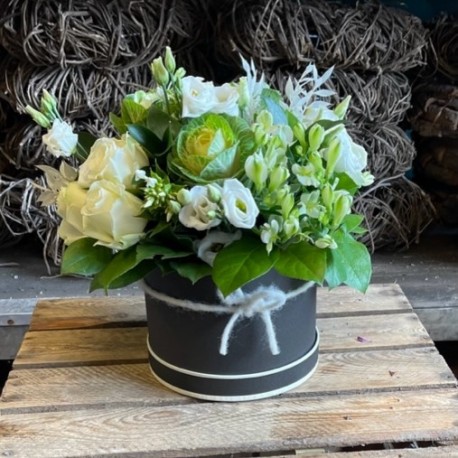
(200, 212)
(70, 201)
(111, 215)
(115, 160)
(198, 96)
(239, 206)
(60, 139)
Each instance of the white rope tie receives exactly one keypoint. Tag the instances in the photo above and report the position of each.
(262, 301)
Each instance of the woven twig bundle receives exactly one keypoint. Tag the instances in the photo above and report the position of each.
(112, 35)
(390, 151)
(81, 92)
(22, 214)
(293, 33)
(396, 211)
(444, 40)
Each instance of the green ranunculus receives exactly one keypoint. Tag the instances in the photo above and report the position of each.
(211, 147)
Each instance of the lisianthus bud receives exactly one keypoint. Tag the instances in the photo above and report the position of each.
(326, 242)
(173, 207)
(316, 137)
(341, 109)
(327, 196)
(169, 60)
(38, 117)
(299, 133)
(180, 73)
(214, 193)
(244, 95)
(184, 196)
(49, 106)
(287, 204)
(160, 73)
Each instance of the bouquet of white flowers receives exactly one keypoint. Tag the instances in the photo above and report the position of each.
(224, 181)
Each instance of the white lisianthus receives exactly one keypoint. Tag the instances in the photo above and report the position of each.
(111, 215)
(227, 97)
(60, 139)
(352, 160)
(115, 160)
(198, 96)
(200, 213)
(70, 201)
(239, 206)
(208, 247)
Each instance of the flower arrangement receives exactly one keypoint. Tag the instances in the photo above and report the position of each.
(229, 181)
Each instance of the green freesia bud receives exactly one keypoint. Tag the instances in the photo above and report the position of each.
(169, 60)
(278, 177)
(341, 109)
(180, 73)
(342, 207)
(291, 227)
(160, 73)
(332, 156)
(326, 242)
(299, 133)
(244, 94)
(256, 170)
(327, 196)
(184, 196)
(265, 119)
(316, 137)
(287, 204)
(38, 117)
(260, 135)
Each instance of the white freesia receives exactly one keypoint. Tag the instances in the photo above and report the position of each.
(239, 206)
(200, 213)
(227, 97)
(208, 247)
(112, 159)
(111, 215)
(70, 201)
(60, 139)
(198, 96)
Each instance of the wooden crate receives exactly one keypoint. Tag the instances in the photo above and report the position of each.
(80, 386)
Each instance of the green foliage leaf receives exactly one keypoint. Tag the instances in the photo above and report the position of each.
(352, 224)
(118, 123)
(193, 271)
(349, 263)
(270, 99)
(84, 258)
(239, 263)
(159, 122)
(148, 139)
(302, 261)
(149, 251)
(85, 142)
(132, 112)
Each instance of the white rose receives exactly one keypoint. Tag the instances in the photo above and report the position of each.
(240, 209)
(111, 215)
(70, 201)
(352, 159)
(208, 247)
(60, 139)
(200, 212)
(198, 96)
(227, 97)
(112, 159)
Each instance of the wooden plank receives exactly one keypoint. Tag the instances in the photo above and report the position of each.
(88, 312)
(82, 346)
(424, 452)
(117, 345)
(95, 312)
(201, 429)
(379, 298)
(67, 388)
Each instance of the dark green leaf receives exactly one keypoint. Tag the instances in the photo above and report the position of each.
(193, 271)
(159, 122)
(239, 263)
(85, 142)
(118, 123)
(147, 139)
(349, 263)
(132, 112)
(133, 275)
(302, 261)
(149, 251)
(84, 258)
